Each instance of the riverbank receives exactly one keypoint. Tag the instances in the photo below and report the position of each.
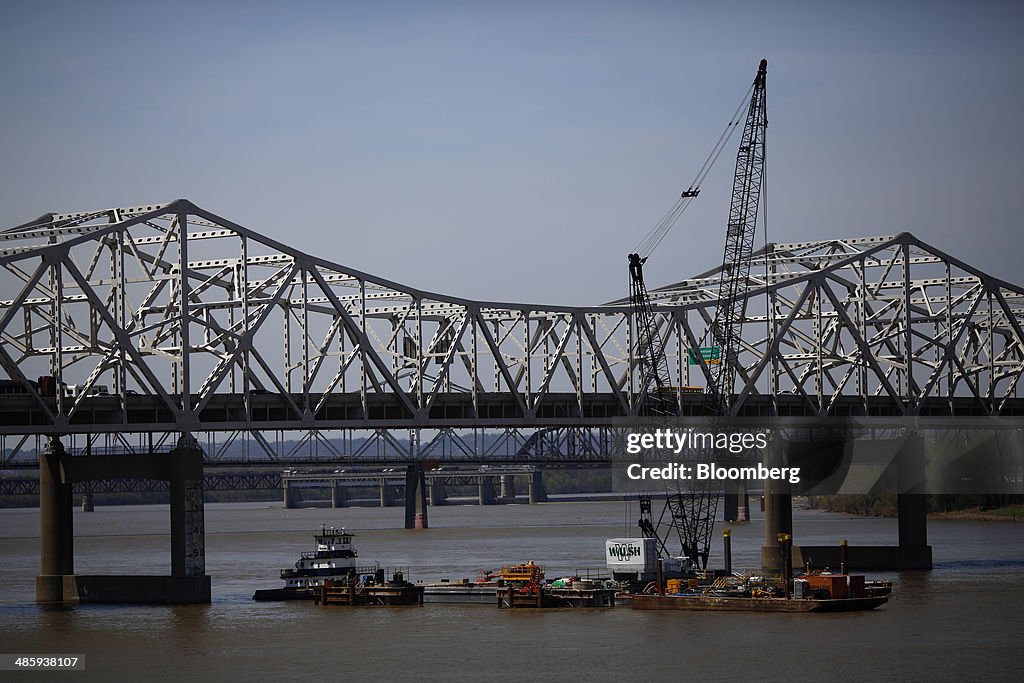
(1012, 513)
(885, 505)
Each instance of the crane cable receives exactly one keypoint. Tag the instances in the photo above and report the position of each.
(654, 237)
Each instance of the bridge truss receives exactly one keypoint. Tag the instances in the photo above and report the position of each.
(170, 319)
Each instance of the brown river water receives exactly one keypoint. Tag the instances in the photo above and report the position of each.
(964, 620)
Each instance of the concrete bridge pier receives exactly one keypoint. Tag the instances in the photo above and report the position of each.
(188, 519)
(778, 509)
(743, 504)
(182, 468)
(736, 503)
(339, 494)
(826, 457)
(87, 502)
(508, 488)
(387, 494)
(913, 551)
(291, 496)
(538, 494)
(415, 497)
(438, 494)
(778, 519)
(485, 487)
(56, 530)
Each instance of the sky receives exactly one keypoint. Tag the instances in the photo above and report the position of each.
(517, 151)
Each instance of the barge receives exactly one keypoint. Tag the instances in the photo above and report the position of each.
(483, 591)
(460, 593)
(750, 593)
(548, 596)
(524, 586)
(350, 592)
(717, 603)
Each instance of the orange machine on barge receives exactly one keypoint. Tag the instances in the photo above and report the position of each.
(523, 585)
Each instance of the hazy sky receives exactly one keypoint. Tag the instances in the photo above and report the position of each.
(517, 151)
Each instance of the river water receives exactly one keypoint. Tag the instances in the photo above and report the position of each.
(961, 621)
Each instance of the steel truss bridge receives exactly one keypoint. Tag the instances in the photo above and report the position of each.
(249, 480)
(168, 319)
(245, 479)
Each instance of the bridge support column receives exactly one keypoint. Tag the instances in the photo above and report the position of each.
(913, 551)
(743, 508)
(188, 527)
(415, 498)
(182, 468)
(56, 531)
(736, 502)
(508, 488)
(485, 487)
(339, 495)
(289, 496)
(778, 509)
(387, 494)
(538, 494)
(906, 467)
(438, 494)
(87, 502)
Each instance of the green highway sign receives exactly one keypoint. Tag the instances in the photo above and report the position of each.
(710, 354)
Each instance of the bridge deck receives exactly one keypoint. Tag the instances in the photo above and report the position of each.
(229, 412)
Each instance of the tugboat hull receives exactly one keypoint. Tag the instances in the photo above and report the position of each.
(274, 594)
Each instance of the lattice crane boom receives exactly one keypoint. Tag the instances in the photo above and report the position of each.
(747, 182)
(654, 382)
(691, 512)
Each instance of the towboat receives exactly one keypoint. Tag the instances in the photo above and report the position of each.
(334, 558)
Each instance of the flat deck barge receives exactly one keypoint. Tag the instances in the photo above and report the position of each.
(460, 593)
(714, 603)
(556, 597)
(824, 592)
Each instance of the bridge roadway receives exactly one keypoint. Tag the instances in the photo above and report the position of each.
(249, 478)
(271, 412)
(391, 484)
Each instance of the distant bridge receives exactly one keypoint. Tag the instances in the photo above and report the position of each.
(291, 480)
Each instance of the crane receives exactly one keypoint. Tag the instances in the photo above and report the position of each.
(747, 183)
(691, 511)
